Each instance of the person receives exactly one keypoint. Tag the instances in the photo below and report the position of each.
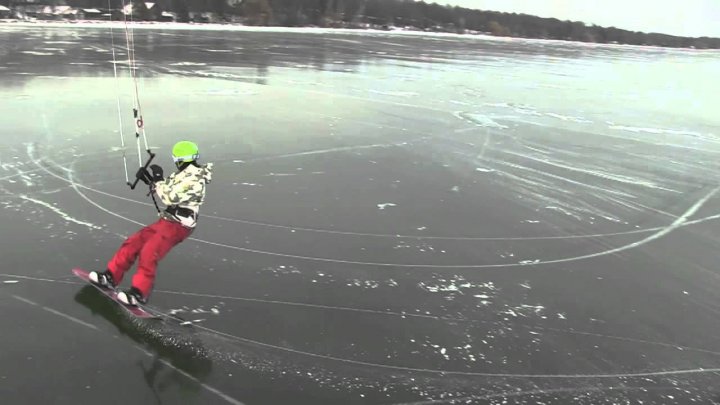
(183, 192)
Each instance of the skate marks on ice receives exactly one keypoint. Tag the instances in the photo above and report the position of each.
(32, 198)
(171, 346)
(548, 167)
(682, 220)
(175, 358)
(323, 378)
(457, 285)
(196, 350)
(304, 229)
(662, 231)
(441, 351)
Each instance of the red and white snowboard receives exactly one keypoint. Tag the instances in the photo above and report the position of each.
(138, 311)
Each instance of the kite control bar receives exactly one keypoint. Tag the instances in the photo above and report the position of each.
(147, 164)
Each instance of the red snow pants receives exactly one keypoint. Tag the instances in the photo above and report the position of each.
(151, 244)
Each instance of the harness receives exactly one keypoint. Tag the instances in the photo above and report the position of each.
(182, 215)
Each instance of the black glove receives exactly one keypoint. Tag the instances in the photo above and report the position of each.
(143, 175)
(157, 173)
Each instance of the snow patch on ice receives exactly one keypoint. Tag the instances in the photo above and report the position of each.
(281, 174)
(479, 120)
(404, 94)
(282, 270)
(655, 130)
(461, 351)
(534, 261)
(420, 247)
(202, 310)
(188, 64)
(186, 323)
(569, 118)
(36, 53)
(371, 284)
(458, 285)
(518, 108)
(231, 92)
(525, 311)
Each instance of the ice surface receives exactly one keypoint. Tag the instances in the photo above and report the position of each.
(563, 221)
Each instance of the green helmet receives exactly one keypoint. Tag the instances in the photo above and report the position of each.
(185, 151)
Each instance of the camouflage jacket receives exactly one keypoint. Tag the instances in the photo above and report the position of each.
(185, 189)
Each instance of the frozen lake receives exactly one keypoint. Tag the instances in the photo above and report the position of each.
(394, 218)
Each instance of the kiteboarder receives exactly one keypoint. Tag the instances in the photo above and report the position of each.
(182, 192)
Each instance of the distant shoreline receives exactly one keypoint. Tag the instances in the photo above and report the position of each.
(230, 27)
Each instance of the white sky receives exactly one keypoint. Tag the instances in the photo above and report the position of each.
(687, 17)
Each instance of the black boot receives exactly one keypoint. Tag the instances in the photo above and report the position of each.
(132, 297)
(104, 279)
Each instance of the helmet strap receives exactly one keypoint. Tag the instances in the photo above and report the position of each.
(183, 165)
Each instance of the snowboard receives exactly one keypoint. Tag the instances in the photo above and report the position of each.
(137, 311)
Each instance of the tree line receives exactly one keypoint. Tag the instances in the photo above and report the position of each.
(413, 14)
